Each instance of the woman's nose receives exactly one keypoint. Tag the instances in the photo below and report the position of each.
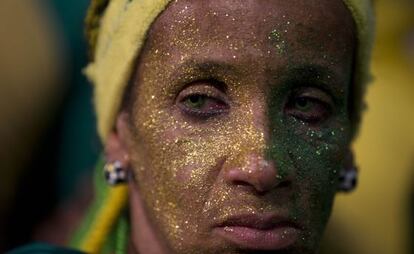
(256, 171)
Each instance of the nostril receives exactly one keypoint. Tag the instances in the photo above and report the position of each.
(241, 183)
(245, 186)
(284, 184)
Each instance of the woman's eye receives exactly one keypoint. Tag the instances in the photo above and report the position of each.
(201, 105)
(308, 109)
(195, 101)
(303, 104)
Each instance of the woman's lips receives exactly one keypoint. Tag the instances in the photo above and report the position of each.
(259, 232)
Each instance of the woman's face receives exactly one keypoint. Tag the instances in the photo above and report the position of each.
(240, 124)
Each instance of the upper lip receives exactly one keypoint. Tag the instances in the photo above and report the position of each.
(258, 221)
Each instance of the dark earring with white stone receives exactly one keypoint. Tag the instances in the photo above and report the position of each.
(114, 173)
(348, 179)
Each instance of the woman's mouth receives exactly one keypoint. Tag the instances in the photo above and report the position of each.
(259, 232)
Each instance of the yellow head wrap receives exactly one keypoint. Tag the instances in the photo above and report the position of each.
(121, 35)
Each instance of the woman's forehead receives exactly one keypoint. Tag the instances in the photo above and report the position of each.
(274, 32)
(254, 16)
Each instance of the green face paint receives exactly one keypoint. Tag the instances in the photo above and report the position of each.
(276, 39)
(311, 152)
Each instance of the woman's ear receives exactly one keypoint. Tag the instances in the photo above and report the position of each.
(117, 144)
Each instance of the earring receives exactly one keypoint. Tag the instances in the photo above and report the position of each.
(114, 173)
(348, 179)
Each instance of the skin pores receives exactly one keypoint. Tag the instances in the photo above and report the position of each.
(240, 108)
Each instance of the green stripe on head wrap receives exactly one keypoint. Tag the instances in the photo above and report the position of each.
(115, 230)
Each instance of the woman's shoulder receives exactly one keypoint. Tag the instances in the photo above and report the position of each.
(39, 248)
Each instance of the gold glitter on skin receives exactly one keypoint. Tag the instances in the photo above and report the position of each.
(182, 162)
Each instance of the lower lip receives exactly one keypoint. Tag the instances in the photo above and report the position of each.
(257, 239)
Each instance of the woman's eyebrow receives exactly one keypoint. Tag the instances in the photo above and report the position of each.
(316, 74)
(315, 71)
(203, 66)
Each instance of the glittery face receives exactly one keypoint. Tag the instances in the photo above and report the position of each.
(241, 109)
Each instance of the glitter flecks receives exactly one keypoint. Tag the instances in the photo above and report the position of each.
(277, 40)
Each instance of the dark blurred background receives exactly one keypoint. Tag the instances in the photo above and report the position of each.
(49, 144)
(47, 134)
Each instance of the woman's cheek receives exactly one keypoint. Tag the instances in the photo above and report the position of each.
(315, 153)
(312, 158)
(178, 165)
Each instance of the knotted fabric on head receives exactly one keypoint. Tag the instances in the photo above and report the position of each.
(117, 31)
